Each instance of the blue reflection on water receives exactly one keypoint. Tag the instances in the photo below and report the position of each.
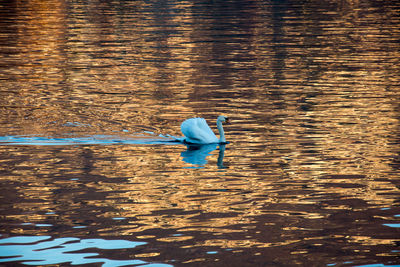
(34, 250)
(375, 265)
(197, 154)
(394, 225)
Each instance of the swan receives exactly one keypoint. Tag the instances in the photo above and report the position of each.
(197, 131)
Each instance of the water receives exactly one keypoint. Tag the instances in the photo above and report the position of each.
(92, 90)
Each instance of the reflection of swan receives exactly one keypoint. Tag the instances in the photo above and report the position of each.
(197, 131)
(221, 153)
(197, 154)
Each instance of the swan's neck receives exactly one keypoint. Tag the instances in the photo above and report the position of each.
(221, 132)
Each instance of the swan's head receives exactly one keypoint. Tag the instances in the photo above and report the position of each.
(223, 119)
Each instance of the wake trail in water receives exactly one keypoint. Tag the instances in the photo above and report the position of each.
(87, 140)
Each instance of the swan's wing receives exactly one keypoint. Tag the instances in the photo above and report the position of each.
(196, 130)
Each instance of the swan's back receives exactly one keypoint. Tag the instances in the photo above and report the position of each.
(197, 131)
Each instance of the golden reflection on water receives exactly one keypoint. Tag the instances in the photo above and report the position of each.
(311, 91)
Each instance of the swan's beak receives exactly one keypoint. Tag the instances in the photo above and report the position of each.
(227, 120)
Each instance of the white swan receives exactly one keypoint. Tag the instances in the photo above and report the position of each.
(197, 131)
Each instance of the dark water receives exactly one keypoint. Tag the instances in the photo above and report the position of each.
(90, 91)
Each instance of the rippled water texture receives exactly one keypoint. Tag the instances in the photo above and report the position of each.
(92, 93)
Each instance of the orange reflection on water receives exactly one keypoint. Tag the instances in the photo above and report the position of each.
(312, 95)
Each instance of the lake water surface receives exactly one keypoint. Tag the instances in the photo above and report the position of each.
(90, 92)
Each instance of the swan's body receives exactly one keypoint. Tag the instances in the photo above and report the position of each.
(197, 131)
